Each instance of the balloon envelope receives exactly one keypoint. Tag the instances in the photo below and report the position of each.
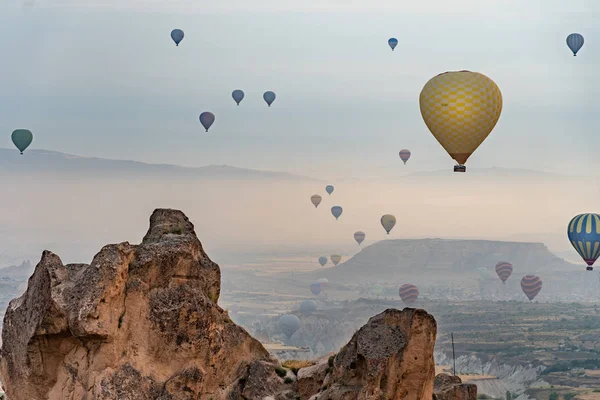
(238, 96)
(408, 293)
(22, 138)
(393, 42)
(388, 221)
(177, 35)
(504, 269)
(269, 97)
(308, 307)
(207, 119)
(531, 286)
(575, 42)
(404, 155)
(359, 237)
(324, 282)
(315, 288)
(584, 234)
(335, 259)
(289, 324)
(322, 261)
(329, 189)
(460, 109)
(316, 200)
(336, 211)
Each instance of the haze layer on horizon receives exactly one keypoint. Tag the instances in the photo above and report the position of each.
(76, 216)
(103, 78)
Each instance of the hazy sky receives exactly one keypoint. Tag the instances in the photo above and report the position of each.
(103, 78)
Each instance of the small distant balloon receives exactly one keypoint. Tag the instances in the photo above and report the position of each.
(336, 211)
(316, 200)
(322, 261)
(238, 96)
(22, 138)
(324, 282)
(308, 307)
(393, 42)
(359, 237)
(269, 97)
(335, 259)
(408, 293)
(531, 286)
(329, 189)
(207, 119)
(315, 288)
(177, 35)
(575, 42)
(388, 221)
(289, 324)
(504, 269)
(404, 155)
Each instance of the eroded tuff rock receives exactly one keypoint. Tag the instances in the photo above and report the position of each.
(447, 387)
(391, 357)
(141, 322)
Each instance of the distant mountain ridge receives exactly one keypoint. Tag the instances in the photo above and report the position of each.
(52, 162)
(438, 261)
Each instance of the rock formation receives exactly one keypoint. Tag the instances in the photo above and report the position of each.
(141, 322)
(447, 387)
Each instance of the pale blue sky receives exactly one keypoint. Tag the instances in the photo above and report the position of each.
(103, 78)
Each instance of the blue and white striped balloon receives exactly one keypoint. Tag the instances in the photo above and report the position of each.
(393, 42)
(575, 42)
(584, 235)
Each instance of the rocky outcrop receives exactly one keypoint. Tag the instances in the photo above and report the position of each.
(391, 357)
(141, 322)
(447, 387)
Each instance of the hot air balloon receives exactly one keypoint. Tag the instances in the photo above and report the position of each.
(269, 97)
(504, 269)
(315, 288)
(308, 307)
(324, 282)
(22, 138)
(388, 221)
(336, 211)
(322, 261)
(207, 119)
(575, 42)
(531, 286)
(289, 324)
(177, 36)
(584, 235)
(329, 189)
(393, 42)
(460, 109)
(335, 259)
(408, 293)
(404, 155)
(238, 96)
(316, 200)
(359, 237)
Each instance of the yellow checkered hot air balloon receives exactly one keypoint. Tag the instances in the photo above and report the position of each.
(460, 108)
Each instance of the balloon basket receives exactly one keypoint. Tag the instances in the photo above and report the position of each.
(589, 269)
(460, 168)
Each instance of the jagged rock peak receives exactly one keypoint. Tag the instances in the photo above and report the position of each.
(165, 221)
